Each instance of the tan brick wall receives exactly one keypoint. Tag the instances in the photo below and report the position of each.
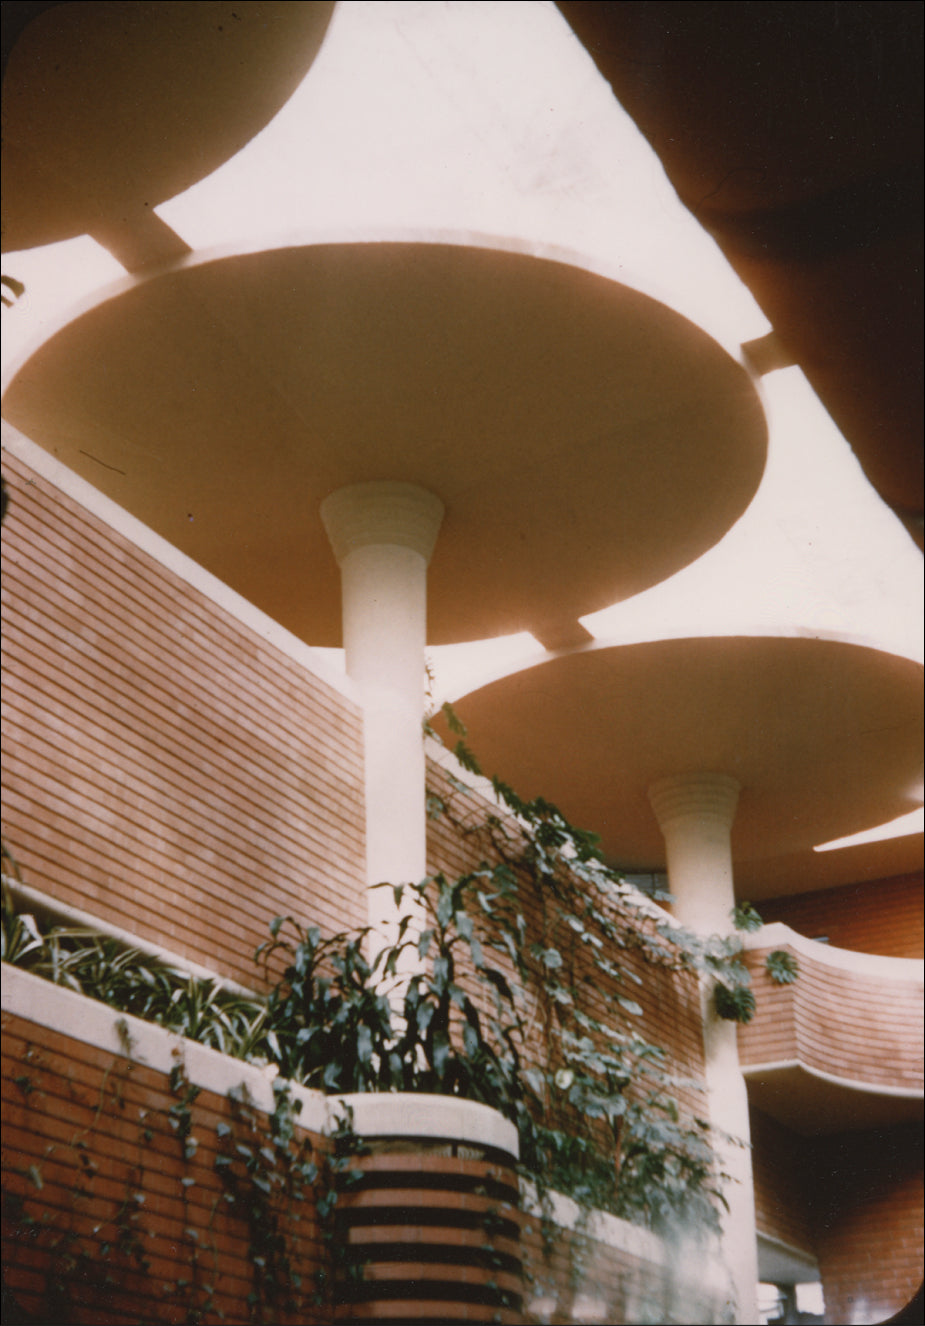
(863, 1027)
(783, 1190)
(163, 766)
(869, 1225)
(670, 1001)
(879, 916)
(85, 1131)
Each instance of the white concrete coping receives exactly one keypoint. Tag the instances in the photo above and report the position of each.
(610, 1230)
(831, 1079)
(62, 913)
(93, 1023)
(780, 1262)
(396, 1114)
(779, 935)
(446, 759)
(412, 1114)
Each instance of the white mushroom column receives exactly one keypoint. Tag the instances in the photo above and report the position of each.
(695, 814)
(383, 535)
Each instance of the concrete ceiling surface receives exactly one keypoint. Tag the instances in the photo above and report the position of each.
(823, 736)
(587, 441)
(111, 109)
(814, 1106)
(793, 133)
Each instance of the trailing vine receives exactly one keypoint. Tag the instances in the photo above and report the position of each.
(573, 931)
(266, 1170)
(195, 1292)
(81, 1261)
(523, 994)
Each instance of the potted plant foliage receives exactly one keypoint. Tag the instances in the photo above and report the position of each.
(496, 1041)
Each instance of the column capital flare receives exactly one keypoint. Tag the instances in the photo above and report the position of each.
(382, 512)
(704, 795)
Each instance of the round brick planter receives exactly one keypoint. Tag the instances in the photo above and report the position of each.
(429, 1224)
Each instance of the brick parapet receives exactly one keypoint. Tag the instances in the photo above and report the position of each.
(852, 1016)
(87, 1112)
(166, 766)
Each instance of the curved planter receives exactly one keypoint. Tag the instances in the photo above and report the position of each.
(428, 1215)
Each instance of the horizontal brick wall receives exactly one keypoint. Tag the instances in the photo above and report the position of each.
(164, 767)
(783, 1191)
(880, 916)
(860, 1026)
(671, 1016)
(104, 1220)
(869, 1237)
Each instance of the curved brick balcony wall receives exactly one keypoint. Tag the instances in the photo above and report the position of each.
(433, 1234)
(850, 1019)
(835, 1060)
(170, 763)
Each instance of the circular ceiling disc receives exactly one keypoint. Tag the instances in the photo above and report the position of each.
(587, 441)
(825, 738)
(111, 109)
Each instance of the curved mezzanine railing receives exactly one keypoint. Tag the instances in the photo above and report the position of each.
(840, 1047)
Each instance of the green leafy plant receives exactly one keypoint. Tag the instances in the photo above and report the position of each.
(745, 917)
(133, 981)
(735, 1003)
(326, 1014)
(518, 985)
(782, 966)
(467, 1025)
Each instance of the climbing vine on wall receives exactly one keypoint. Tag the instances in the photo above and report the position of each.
(524, 993)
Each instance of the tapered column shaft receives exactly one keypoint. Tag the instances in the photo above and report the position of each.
(383, 535)
(695, 813)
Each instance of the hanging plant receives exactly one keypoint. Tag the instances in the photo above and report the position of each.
(746, 917)
(782, 966)
(734, 1003)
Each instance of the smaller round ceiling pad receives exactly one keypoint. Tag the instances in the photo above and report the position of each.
(825, 738)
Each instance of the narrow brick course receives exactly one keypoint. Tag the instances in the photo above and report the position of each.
(877, 916)
(863, 1028)
(165, 768)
